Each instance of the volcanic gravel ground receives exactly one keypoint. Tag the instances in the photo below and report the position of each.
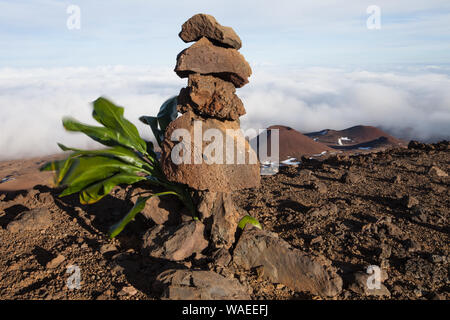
(388, 209)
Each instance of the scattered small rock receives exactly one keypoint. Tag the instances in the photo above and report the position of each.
(435, 171)
(320, 187)
(410, 201)
(107, 248)
(351, 177)
(129, 291)
(55, 262)
(328, 209)
(35, 219)
(175, 242)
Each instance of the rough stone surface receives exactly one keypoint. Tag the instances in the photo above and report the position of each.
(205, 58)
(352, 177)
(410, 201)
(205, 25)
(326, 210)
(204, 172)
(163, 210)
(36, 219)
(211, 96)
(224, 220)
(206, 203)
(320, 187)
(284, 264)
(435, 171)
(222, 257)
(55, 262)
(175, 243)
(199, 285)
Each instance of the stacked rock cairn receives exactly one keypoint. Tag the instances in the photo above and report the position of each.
(214, 69)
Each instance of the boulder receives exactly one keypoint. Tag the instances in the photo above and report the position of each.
(198, 285)
(165, 210)
(283, 264)
(205, 58)
(212, 97)
(205, 25)
(175, 243)
(195, 162)
(224, 220)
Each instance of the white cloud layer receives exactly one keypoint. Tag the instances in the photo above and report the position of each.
(409, 104)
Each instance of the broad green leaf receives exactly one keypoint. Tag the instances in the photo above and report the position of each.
(87, 170)
(53, 165)
(111, 116)
(105, 136)
(121, 153)
(249, 219)
(138, 207)
(167, 113)
(97, 191)
(153, 123)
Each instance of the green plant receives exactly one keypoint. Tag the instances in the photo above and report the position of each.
(94, 173)
(249, 219)
(167, 113)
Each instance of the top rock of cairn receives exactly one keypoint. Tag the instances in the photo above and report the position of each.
(205, 25)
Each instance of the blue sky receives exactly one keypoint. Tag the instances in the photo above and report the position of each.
(294, 33)
(315, 65)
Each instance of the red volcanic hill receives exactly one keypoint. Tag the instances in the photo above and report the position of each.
(293, 144)
(355, 137)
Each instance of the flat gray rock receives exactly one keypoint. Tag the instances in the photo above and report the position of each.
(199, 285)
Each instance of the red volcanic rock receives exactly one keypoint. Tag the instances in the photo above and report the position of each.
(198, 285)
(199, 165)
(205, 58)
(210, 96)
(284, 264)
(175, 243)
(293, 144)
(205, 25)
